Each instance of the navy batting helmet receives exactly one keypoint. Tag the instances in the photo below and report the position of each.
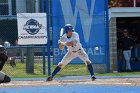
(68, 28)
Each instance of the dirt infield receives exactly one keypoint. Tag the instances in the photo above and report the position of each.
(106, 82)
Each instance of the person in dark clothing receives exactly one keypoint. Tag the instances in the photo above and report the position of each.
(127, 43)
(3, 58)
(134, 36)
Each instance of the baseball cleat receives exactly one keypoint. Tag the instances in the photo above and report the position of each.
(50, 78)
(93, 78)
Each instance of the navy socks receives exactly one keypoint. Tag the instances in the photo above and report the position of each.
(57, 69)
(90, 68)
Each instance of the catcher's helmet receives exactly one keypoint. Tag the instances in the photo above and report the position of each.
(68, 28)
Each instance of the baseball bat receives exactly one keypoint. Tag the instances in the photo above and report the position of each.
(61, 47)
(61, 33)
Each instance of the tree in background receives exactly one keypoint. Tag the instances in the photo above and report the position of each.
(120, 3)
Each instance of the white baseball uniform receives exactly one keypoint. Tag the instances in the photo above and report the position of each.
(73, 51)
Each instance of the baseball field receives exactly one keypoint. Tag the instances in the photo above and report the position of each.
(74, 84)
(70, 80)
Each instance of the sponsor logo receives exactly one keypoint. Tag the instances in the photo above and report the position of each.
(32, 26)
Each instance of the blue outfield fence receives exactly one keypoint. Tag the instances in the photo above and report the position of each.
(90, 20)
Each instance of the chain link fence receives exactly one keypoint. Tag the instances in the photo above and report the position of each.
(29, 61)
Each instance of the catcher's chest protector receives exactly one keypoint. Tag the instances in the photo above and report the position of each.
(3, 57)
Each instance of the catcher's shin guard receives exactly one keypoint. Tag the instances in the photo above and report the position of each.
(4, 78)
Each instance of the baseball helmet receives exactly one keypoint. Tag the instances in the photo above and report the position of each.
(68, 28)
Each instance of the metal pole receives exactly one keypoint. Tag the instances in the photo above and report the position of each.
(10, 7)
(48, 33)
(134, 2)
(44, 48)
(44, 61)
(36, 6)
(42, 6)
(30, 60)
(107, 37)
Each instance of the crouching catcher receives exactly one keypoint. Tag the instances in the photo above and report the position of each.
(3, 58)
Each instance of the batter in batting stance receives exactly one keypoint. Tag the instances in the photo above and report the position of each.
(71, 40)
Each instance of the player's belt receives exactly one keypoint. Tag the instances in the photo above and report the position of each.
(76, 51)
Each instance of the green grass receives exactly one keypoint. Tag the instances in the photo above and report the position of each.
(20, 72)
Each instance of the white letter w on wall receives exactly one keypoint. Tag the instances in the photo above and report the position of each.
(85, 17)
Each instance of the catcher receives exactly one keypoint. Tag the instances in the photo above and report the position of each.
(3, 58)
(71, 40)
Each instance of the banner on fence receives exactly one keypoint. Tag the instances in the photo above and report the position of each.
(88, 18)
(32, 28)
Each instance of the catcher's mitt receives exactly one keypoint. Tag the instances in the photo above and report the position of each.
(12, 61)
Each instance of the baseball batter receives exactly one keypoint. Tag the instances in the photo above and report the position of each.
(71, 40)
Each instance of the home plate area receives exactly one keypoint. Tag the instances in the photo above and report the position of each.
(73, 84)
(75, 80)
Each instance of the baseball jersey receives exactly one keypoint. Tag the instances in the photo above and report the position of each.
(75, 39)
